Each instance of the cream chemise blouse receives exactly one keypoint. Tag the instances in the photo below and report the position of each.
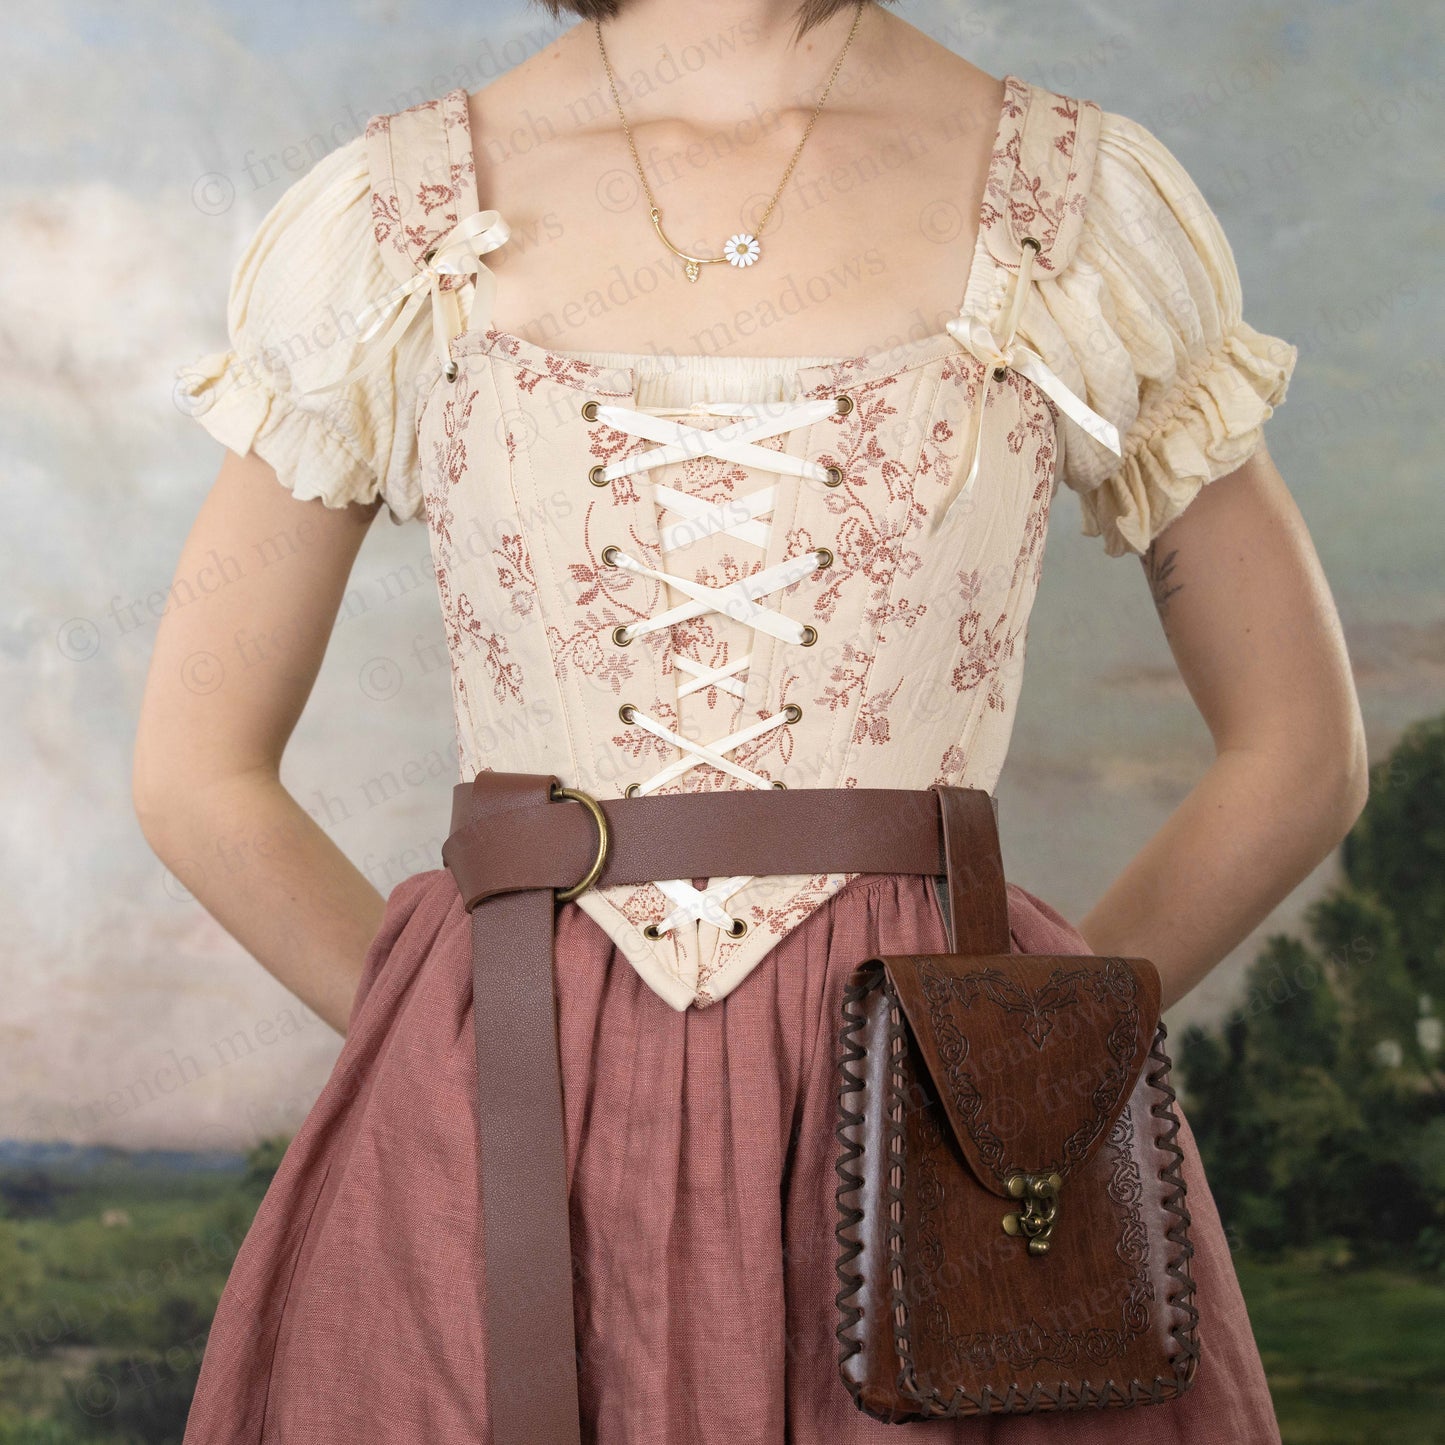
(590, 588)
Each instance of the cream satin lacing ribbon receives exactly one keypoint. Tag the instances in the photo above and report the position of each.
(741, 600)
(1009, 353)
(458, 253)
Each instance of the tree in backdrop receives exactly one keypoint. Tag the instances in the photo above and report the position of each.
(1319, 1104)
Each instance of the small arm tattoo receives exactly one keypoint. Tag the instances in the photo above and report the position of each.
(1159, 568)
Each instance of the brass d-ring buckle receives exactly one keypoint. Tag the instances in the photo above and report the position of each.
(604, 840)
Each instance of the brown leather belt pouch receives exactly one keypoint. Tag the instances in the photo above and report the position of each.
(1011, 1224)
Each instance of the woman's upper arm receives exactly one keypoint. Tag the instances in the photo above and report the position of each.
(1249, 616)
(255, 596)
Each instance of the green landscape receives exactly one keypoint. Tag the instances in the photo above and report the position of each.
(1319, 1107)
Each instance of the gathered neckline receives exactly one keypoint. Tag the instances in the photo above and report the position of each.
(622, 374)
(642, 360)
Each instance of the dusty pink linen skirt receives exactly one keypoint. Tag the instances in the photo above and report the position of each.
(701, 1163)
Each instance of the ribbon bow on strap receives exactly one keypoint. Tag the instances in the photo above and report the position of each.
(1010, 354)
(458, 253)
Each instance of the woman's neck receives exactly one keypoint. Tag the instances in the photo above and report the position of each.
(726, 53)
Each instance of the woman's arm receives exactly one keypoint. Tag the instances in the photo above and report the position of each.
(262, 576)
(1251, 622)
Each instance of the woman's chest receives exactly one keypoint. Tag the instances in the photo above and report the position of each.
(873, 237)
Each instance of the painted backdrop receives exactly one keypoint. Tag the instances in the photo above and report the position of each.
(143, 144)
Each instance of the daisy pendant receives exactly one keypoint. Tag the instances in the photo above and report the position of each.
(742, 249)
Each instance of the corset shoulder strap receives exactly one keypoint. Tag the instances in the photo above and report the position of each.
(1043, 166)
(423, 177)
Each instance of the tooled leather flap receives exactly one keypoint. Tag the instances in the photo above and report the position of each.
(1033, 1056)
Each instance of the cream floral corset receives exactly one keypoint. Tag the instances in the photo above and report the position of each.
(678, 574)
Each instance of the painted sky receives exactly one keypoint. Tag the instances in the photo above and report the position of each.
(145, 141)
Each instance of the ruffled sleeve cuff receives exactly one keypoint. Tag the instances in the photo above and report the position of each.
(310, 452)
(1210, 423)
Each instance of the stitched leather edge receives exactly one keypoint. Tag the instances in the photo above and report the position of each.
(1186, 1330)
(897, 1100)
(864, 979)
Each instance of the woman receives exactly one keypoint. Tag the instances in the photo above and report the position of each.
(973, 288)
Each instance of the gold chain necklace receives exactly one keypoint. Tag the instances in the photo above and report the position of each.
(741, 249)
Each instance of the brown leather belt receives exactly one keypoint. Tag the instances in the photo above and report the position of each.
(520, 843)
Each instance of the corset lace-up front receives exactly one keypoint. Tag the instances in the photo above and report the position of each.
(746, 519)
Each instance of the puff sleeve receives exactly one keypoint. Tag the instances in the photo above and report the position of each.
(1149, 317)
(306, 275)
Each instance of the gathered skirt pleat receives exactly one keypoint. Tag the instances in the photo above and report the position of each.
(701, 1164)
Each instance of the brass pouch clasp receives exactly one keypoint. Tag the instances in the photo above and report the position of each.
(1035, 1221)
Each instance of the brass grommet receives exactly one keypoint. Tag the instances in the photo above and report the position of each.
(619, 637)
(834, 477)
(1030, 241)
(594, 475)
(626, 712)
(427, 255)
(736, 928)
(792, 712)
(610, 561)
(451, 371)
(810, 634)
(826, 560)
(651, 932)
(845, 404)
(589, 410)
(780, 785)
(631, 790)
(1000, 373)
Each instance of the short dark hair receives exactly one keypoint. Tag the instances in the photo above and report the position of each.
(809, 12)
